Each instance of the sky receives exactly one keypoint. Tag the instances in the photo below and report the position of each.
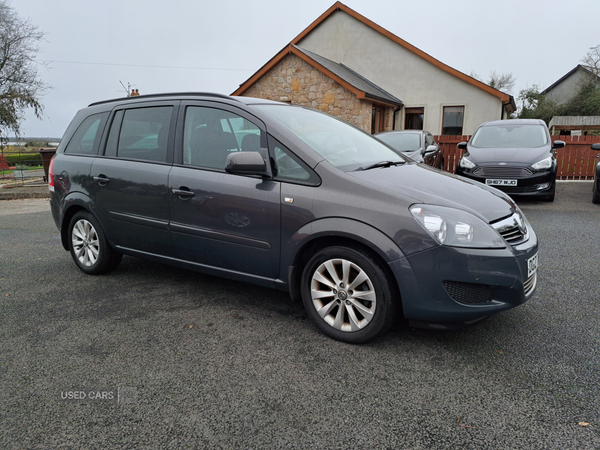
(91, 47)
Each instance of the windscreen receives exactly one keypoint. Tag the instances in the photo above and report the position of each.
(339, 143)
(403, 142)
(510, 136)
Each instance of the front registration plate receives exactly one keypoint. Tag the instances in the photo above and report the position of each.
(532, 265)
(495, 182)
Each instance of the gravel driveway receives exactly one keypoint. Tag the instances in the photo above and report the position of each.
(153, 357)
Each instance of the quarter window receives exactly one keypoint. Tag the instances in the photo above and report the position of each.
(453, 120)
(288, 167)
(86, 138)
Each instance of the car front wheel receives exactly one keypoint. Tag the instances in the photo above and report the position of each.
(347, 294)
(88, 245)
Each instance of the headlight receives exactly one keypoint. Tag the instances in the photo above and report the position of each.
(543, 164)
(456, 228)
(465, 163)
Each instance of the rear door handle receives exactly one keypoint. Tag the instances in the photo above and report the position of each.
(183, 193)
(102, 180)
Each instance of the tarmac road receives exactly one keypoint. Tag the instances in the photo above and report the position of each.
(153, 357)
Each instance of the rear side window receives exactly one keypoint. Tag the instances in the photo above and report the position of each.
(140, 133)
(86, 138)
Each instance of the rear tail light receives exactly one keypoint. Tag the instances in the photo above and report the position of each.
(51, 175)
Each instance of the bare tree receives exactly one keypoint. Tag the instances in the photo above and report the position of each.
(20, 86)
(503, 82)
(592, 60)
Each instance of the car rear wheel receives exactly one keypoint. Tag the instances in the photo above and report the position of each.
(347, 294)
(88, 245)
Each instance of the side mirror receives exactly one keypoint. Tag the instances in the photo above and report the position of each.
(462, 145)
(430, 149)
(558, 144)
(596, 146)
(246, 163)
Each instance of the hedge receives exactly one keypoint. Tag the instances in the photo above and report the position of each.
(26, 159)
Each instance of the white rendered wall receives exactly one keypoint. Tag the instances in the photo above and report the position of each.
(416, 82)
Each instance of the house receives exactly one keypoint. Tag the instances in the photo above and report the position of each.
(349, 66)
(566, 87)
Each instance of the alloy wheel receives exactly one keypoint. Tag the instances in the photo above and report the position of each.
(343, 295)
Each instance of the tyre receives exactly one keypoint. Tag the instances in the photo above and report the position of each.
(441, 166)
(348, 294)
(550, 197)
(595, 194)
(88, 245)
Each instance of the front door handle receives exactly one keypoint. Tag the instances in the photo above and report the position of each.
(182, 193)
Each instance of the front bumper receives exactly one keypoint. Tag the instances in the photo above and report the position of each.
(528, 182)
(446, 286)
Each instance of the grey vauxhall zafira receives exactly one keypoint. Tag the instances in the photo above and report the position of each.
(290, 198)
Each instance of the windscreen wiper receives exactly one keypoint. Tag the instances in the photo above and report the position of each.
(382, 164)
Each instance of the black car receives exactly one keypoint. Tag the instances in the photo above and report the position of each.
(418, 145)
(596, 188)
(290, 198)
(516, 156)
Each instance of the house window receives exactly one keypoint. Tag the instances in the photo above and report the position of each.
(453, 120)
(377, 122)
(413, 118)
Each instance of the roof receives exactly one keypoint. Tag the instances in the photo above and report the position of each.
(505, 98)
(343, 75)
(564, 77)
(505, 122)
(356, 80)
(575, 122)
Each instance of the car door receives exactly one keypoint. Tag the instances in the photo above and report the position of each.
(130, 178)
(218, 219)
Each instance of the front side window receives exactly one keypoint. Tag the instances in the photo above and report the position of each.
(211, 134)
(510, 136)
(453, 120)
(140, 133)
(342, 145)
(86, 138)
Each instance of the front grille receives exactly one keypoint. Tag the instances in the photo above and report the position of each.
(529, 284)
(517, 190)
(512, 229)
(468, 293)
(502, 172)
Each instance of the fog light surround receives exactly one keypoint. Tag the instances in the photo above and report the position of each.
(543, 186)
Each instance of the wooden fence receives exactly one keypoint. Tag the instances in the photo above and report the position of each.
(576, 160)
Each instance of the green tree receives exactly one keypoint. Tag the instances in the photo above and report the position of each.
(534, 105)
(20, 86)
(586, 102)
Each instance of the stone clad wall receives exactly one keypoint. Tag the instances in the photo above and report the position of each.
(296, 81)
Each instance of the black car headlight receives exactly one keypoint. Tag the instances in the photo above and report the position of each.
(466, 163)
(543, 164)
(456, 228)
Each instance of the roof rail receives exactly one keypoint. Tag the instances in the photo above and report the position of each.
(174, 94)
